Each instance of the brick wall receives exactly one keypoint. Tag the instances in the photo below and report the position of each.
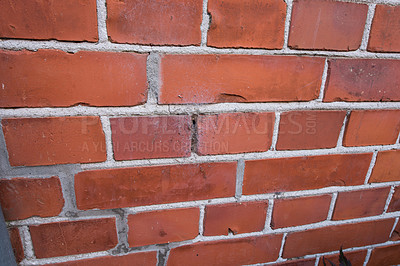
(200, 132)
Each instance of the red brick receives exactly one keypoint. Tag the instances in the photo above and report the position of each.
(396, 233)
(363, 203)
(54, 140)
(388, 255)
(234, 133)
(356, 258)
(158, 22)
(237, 218)
(331, 238)
(372, 127)
(16, 244)
(300, 211)
(133, 259)
(327, 25)
(387, 167)
(358, 80)
(299, 130)
(159, 227)
(151, 137)
(239, 78)
(394, 205)
(305, 262)
(248, 23)
(52, 78)
(73, 237)
(303, 173)
(73, 20)
(129, 187)
(228, 252)
(385, 33)
(22, 198)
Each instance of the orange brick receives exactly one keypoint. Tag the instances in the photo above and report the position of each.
(133, 259)
(385, 33)
(363, 203)
(22, 198)
(159, 227)
(300, 130)
(236, 218)
(356, 258)
(372, 127)
(387, 255)
(54, 140)
(304, 262)
(239, 78)
(16, 244)
(72, 20)
(228, 252)
(300, 211)
(53, 78)
(151, 137)
(158, 22)
(234, 133)
(303, 173)
(386, 167)
(247, 23)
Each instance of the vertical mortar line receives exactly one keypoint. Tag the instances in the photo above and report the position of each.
(323, 81)
(367, 29)
(368, 256)
(289, 6)
(105, 121)
(121, 223)
(4, 159)
(282, 245)
(371, 166)
(101, 20)
(342, 130)
(205, 23)
(153, 77)
(317, 260)
(201, 220)
(268, 218)
(275, 132)
(332, 206)
(239, 178)
(67, 181)
(398, 139)
(27, 243)
(389, 198)
(396, 221)
(162, 257)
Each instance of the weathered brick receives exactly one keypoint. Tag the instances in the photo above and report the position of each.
(16, 244)
(304, 262)
(394, 205)
(239, 78)
(356, 258)
(235, 218)
(129, 187)
(248, 23)
(358, 80)
(151, 137)
(73, 237)
(300, 130)
(22, 198)
(300, 211)
(387, 167)
(372, 127)
(385, 33)
(53, 78)
(54, 140)
(165, 226)
(327, 25)
(234, 133)
(303, 173)
(329, 238)
(386, 255)
(133, 259)
(73, 20)
(363, 203)
(228, 252)
(158, 22)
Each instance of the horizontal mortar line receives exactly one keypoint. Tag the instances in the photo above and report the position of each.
(193, 109)
(13, 44)
(196, 159)
(97, 213)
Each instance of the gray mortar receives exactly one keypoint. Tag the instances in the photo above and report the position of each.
(153, 78)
